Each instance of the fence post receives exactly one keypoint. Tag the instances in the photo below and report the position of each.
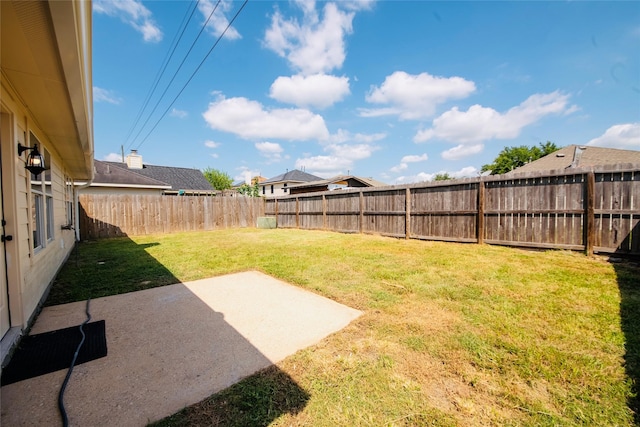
(361, 222)
(407, 210)
(481, 196)
(297, 212)
(324, 212)
(589, 238)
(276, 212)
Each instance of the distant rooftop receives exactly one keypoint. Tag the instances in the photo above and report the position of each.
(575, 156)
(292, 176)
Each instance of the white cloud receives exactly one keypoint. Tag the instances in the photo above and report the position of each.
(269, 147)
(113, 157)
(104, 95)
(181, 114)
(218, 21)
(341, 159)
(352, 151)
(415, 96)
(460, 151)
(466, 172)
(215, 155)
(132, 12)
(317, 90)
(271, 150)
(399, 168)
(415, 158)
(325, 166)
(624, 136)
(344, 136)
(420, 177)
(212, 144)
(250, 120)
(470, 128)
(315, 45)
(480, 123)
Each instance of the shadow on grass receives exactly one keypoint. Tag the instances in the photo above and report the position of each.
(107, 267)
(119, 265)
(256, 401)
(628, 274)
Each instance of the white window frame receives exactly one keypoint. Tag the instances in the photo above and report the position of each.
(42, 203)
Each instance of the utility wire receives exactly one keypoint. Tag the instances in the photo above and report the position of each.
(175, 74)
(176, 40)
(194, 73)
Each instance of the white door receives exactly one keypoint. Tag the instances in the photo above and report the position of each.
(4, 290)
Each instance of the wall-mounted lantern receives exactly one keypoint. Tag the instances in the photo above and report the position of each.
(35, 160)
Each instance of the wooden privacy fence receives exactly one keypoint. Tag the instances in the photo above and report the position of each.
(119, 215)
(593, 210)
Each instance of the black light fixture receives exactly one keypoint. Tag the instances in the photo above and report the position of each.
(35, 160)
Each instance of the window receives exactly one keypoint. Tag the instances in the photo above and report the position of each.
(42, 221)
(264, 189)
(284, 188)
(272, 189)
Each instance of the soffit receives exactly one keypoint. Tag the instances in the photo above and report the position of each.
(31, 62)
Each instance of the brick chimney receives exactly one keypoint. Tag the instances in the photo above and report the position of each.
(134, 160)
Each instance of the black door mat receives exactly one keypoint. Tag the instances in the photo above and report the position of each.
(51, 351)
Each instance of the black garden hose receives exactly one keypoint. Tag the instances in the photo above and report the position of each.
(63, 412)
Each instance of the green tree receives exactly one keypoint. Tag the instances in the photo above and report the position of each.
(513, 157)
(443, 176)
(250, 190)
(219, 180)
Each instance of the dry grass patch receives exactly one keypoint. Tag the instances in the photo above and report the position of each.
(452, 335)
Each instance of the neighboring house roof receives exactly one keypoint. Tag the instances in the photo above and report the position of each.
(178, 178)
(151, 176)
(346, 181)
(108, 174)
(575, 156)
(292, 176)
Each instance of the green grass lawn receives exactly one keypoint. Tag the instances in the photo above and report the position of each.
(452, 334)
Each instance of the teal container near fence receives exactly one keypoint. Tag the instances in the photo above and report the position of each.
(267, 222)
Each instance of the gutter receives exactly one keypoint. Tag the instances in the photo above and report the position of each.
(76, 202)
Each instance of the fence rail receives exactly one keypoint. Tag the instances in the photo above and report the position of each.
(595, 210)
(592, 210)
(119, 215)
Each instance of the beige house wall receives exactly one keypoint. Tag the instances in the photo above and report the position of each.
(30, 270)
(278, 189)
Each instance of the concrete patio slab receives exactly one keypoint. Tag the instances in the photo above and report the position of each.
(172, 346)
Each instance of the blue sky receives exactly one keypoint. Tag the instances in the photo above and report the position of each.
(394, 90)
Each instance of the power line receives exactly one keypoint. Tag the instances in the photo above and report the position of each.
(174, 44)
(175, 74)
(195, 71)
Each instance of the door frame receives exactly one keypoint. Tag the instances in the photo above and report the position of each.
(9, 129)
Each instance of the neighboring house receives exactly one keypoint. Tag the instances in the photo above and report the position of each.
(237, 184)
(575, 156)
(45, 100)
(134, 177)
(279, 185)
(340, 182)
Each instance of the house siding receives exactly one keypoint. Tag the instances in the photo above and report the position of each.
(35, 269)
(45, 90)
